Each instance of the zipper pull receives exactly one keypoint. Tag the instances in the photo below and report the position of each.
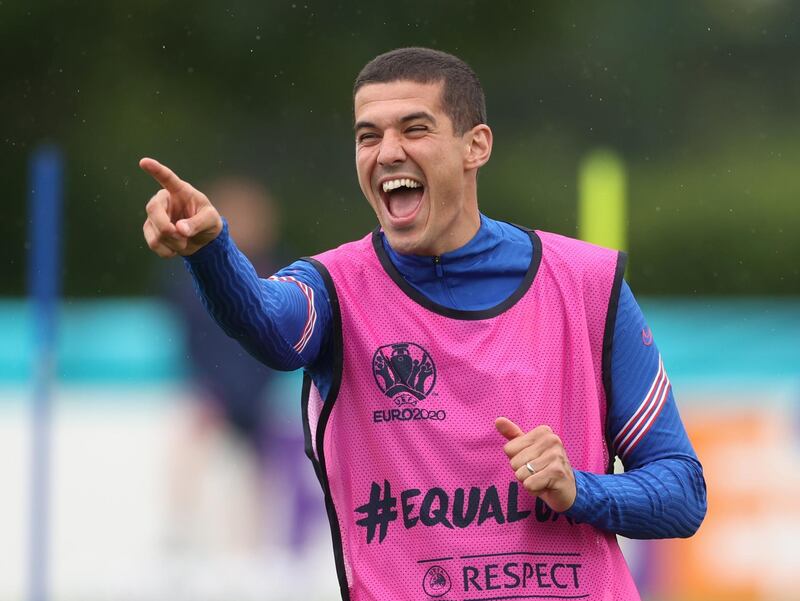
(437, 264)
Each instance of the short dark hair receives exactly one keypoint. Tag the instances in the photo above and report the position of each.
(462, 95)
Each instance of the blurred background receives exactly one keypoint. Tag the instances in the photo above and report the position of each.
(152, 453)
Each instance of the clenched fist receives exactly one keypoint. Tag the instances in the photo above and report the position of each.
(180, 219)
(552, 479)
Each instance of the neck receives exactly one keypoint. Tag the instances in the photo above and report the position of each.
(457, 236)
(465, 225)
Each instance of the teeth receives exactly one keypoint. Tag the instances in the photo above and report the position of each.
(397, 183)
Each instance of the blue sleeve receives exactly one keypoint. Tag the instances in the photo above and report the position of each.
(283, 321)
(662, 493)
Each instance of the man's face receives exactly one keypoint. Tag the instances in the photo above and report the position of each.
(413, 169)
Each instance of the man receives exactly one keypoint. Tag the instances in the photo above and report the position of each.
(421, 336)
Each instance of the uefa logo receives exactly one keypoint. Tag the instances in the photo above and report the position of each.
(404, 372)
(436, 582)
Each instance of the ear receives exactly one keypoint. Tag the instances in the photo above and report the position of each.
(478, 142)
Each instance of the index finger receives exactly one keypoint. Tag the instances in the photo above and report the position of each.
(162, 174)
(529, 439)
(507, 428)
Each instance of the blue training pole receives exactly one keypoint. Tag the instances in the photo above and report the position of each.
(44, 283)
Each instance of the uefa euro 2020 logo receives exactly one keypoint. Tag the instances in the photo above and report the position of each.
(404, 372)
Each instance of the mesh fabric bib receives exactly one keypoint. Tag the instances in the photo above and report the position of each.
(422, 501)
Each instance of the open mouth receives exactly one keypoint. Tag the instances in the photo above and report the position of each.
(402, 197)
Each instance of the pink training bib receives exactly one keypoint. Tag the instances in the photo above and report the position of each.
(422, 501)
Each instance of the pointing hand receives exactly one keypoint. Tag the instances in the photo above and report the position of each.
(552, 479)
(180, 218)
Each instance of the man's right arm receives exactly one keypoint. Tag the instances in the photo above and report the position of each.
(283, 321)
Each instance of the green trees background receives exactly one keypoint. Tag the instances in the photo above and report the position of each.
(701, 99)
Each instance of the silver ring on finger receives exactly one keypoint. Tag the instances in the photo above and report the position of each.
(530, 468)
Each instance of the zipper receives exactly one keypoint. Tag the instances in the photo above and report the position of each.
(437, 265)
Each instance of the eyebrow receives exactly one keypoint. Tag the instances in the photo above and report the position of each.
(419, 115)
(410, 117)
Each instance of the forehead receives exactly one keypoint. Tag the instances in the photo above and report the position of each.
(378, 102)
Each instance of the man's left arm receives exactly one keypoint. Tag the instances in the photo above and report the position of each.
(662, 493)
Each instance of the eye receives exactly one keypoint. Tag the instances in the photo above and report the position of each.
(417, 129)
(367, 137)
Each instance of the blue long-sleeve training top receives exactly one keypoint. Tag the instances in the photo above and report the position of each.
(285, 322)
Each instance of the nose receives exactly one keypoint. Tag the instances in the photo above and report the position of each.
(391, 151)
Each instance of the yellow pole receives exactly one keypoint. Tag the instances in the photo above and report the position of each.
(602, 205)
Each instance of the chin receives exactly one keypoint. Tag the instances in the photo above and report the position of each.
(403, 242)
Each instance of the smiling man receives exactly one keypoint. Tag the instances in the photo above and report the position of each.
(417, 167)
(468, 382)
